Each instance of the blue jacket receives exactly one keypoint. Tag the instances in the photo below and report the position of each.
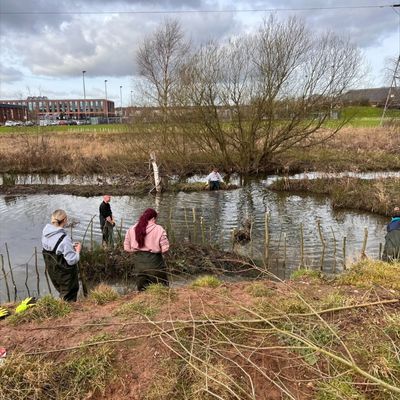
(394, 224)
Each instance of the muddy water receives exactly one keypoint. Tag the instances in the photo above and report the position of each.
(23, 218)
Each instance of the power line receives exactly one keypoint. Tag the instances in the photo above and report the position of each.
(197, 11)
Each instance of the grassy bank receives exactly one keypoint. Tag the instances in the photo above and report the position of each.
(378, 196)
(126, 151)
(302, 339)
(119, 189)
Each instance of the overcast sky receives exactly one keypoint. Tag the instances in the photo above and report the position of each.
(46, 44)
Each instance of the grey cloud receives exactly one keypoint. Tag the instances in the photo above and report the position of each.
(9, 74)
(108, 47)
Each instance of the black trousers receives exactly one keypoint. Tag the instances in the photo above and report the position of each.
(150, 268)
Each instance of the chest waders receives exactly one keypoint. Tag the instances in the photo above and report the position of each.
(63, 276)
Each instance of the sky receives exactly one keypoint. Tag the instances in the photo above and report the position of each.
(46, 44)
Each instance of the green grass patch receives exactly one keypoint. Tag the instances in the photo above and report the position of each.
(46, 308)
(370, 273)
(338, 388)
(82, 374)
(258, 289)
(160, 292)
(103, 294)
(138, 307)
(302, 273)
(206, 281)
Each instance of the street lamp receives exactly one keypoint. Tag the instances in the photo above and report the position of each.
(120, 94)
(84, 93)
(105, 90)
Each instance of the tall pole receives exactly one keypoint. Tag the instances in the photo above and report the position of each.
(131, 113)
(84, 94)
(120, 94)
(105, 91)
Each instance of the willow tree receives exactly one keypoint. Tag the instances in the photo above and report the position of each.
(259, 95)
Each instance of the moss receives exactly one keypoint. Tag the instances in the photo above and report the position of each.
(206, 281)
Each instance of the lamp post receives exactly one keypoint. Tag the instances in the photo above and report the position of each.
(131, 113)
(84, 94)
(105, 91)
(120, 94)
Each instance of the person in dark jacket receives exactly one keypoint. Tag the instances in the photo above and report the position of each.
(106, 221)
(61, 256)
(391, 251)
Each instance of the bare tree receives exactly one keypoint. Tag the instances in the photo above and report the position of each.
(260, 95)
(160, 59)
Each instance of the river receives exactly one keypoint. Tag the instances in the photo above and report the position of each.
(291, 216)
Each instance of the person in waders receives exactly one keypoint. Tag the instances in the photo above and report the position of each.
(148, 241)
(61, 256)
(106, 221)
(391, 251)
(214, 179)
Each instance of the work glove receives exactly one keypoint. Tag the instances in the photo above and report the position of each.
(4, 312)
(25, 304)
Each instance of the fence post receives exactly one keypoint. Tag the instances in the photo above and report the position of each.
(5, 277)
(364, 245)
(301, 246)
(321, 236)
(11, 273)
(344, 252)
(334, 250)
(266, 239)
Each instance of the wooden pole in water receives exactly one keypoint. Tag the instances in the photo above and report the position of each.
(5, 278)
(380, 250)
(251, 238)
(26, 280)
(203, 236)
(266, 240)
(301, 246)
(334, 250)
(11, 273)
(321, 236)
(187, 225)
(37, 273)
(233, 239)
(364, 246)
(157, 179)
(284, 251)
(91, 235)
(344, 252)
(194, 225)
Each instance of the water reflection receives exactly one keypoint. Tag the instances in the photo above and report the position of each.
(22, 220)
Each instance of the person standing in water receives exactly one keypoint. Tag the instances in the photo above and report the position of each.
(61, 256)
(148, 242)
(106, 221)
(391, 251)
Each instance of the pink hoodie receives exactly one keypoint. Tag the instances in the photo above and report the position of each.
(156, 240)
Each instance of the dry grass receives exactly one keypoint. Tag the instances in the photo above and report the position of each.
(103, 294)
(103, 152)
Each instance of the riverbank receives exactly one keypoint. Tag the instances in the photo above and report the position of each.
(126, 152)
(308, 338)
(374, 195)
(129, 189)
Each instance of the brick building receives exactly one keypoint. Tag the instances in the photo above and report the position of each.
(13, 112)
(43, 108)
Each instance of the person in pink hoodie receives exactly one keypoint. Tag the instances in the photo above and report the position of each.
(148, 242)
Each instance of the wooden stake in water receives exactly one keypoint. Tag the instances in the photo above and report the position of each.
(344, 252)
(187, 224)
(5, 277)
(11, 273)
(284, 250)
(380, 251)
(203, 235)
(251, 238)
(91, 236)
(321, 236)
(194, 225)
(233, 238)
(334, 250)
(364, 245)
(301, 246)
(266, 239)
(26, 280)
(37, 273)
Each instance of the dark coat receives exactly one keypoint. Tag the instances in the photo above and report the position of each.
(391, 251)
